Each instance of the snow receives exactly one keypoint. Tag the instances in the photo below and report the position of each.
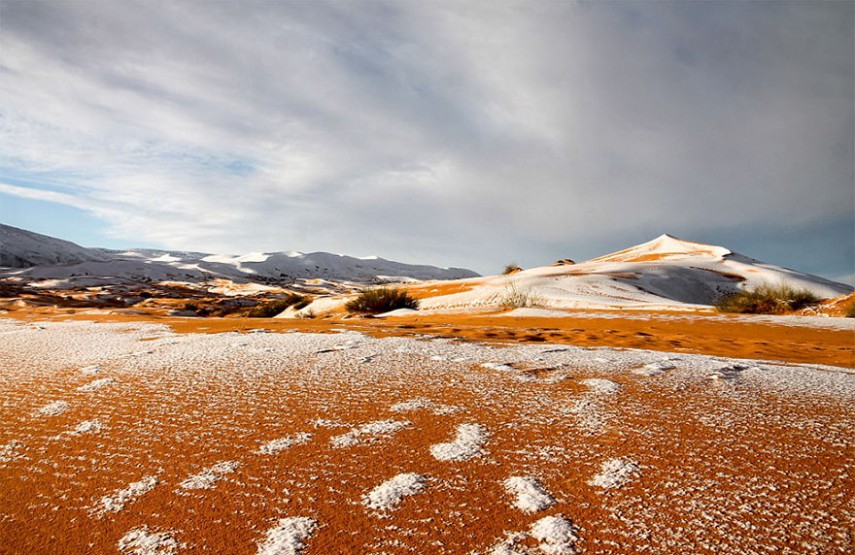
(20, 248)
(97, 384)
(288, 536)
(654, 368)
(53, 409)
(614, 473)
(116, 502)
(390, 493)
(600, 385)
(557, 535)
(528, 425)
(663, 274)
(277, 445)
(210, 476)
(467, 444)
(370, 432)
(11, 451)
(420, 403)
(142, 542)
(530, 495)
(38, 257)
(87, 427)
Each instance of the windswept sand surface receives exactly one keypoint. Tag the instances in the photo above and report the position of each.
(130, 438)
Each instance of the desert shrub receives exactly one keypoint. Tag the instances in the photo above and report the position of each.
(272, 308)
(511, 268)
(766, 299)
(514, 297)
(850, 311)
(381, 299)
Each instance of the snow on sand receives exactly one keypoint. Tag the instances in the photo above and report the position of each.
(466, 445)
(614, 473)
(277, 445)
(530, 495)
(368, 433)
(116, 502)
(210, 476)
(390, 493)
(140, 541)
(288, 536)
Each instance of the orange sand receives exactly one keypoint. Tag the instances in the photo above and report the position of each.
(736, 338)
(720, 471)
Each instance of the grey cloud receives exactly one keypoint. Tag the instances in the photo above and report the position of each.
(446, 132)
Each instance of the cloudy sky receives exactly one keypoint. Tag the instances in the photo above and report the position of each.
(453, 133)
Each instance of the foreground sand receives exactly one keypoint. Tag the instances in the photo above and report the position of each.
(118, 436)
(790, 339)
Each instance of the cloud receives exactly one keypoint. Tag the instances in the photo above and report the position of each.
(445, 132)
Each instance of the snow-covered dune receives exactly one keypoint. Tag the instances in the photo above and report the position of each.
(665, 273)
(21, 249)
(34, 257)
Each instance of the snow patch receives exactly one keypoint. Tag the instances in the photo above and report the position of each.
(277, 445)
(140, 541)
(512, 545)
(97, 384)
(466, 445)
(210, 476)
(90, 370)
(599, 385)
(116, 502)
(557, 535)
(390, 493)
(54, 409)
(370, 432)
(654, 368)
(87, 427)
(288, 536)
(530, 494)
(421, 403)
(614, 473)
(11, 451)
(500, 366)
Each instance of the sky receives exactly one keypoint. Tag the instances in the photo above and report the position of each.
(469, 134)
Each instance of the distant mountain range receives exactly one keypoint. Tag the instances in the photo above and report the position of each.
(31, 256)
(664, 273)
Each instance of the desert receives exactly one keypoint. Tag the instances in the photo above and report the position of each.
(427, 277)
(133, 425)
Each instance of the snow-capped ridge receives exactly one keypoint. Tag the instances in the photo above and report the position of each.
(666, 273)
(46, 258)
(20, 248)
(665, 247)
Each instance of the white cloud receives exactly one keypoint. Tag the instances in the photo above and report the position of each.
(445, 132)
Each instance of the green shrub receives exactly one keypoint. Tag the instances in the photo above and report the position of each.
(272, 308)
(381, 299)
(767, 299)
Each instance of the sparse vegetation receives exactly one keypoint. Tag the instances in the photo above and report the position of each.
(515, 297)
(272, 308)
(381, 299)
(767, 299)
(850, 311)
(511, 268)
